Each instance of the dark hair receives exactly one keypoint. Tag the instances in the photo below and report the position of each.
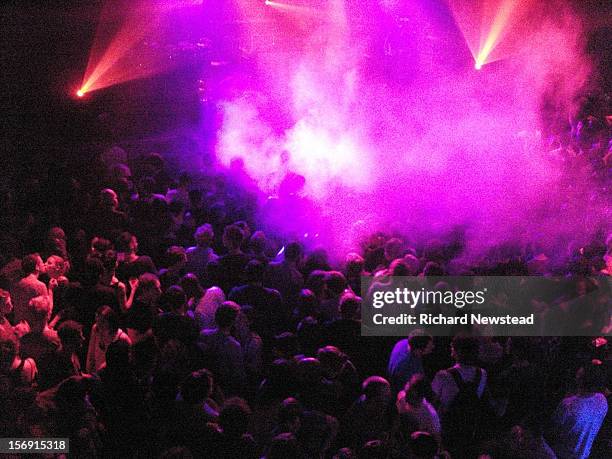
(289, 410)
(118, 355)
(349, 305)
(155, 160)
(69, 333)
(191, 286)
(123, 241)
(109, 260)
(101, 245)
(173, 298)
(293, 251)
(374, 386)
(592, 377)
(433, 269)
(418, 340)
(197, 386)
(29, 263)
(466, 349)
(374, 449)
(226, 314)
(335, 282)
(108, 315)
(233, 236)
(235, 417)
(423, 445)
(254, 271)
(9, 348)
(283, 446)
(307, 303)
(92, 272)
(417, 389)
(174, 255)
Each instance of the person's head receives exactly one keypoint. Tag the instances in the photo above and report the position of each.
(118, 356)
(350, 304)
(109, 260)
(56, 266)
(246, 230)
(394, 248)
(254, 272)
(197, 387)
(432, 269)
(307, 303)
(399, 268)
(204, 235)
(376, 387)
(146, 187)
(173, 299)
(56, 241)
(335, 283)
(285, 344)
(71, 335)
(99, 245)
(175, 256)
(191, 286)
(32, 264)
(289, 414)
(195, 198)
(420, 343)
(591, 377)
(94, 268)
(39, 311)
(149, 288)
(127, 243)
(354, 264)
(226, 314)
(233, 237)
(6, 305)
(257, 242)
(316, 282)
(332, 359)
(423, 445)
(155, 161)
(417, 389)
(412, 263)
(235, 417)
(293, 252)
(109, 199)
(107, 320)
(464, 349)
(283, 446)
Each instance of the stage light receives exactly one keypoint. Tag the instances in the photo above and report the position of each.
(478, 65)
(80, 93)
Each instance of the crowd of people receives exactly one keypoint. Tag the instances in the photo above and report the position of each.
(145, 316)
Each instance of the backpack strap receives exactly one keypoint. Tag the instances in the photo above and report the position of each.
(454, 372)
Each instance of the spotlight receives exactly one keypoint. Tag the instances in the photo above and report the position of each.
(80, 93)
(478, 65)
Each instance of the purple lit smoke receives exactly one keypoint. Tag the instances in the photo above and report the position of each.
(394, 130)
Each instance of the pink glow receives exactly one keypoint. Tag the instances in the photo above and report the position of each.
(440, 147)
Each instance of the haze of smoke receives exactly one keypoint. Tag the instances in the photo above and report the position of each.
(442, 148)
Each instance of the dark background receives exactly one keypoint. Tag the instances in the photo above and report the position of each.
(45, 46)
